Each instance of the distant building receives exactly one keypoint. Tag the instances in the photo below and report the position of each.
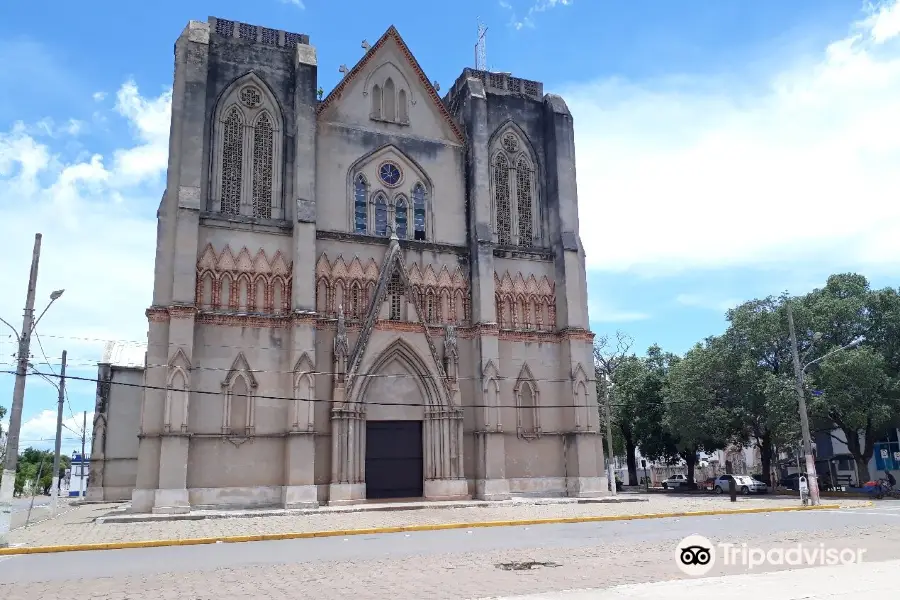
(114, 450)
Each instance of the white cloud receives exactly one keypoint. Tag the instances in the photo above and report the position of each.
(696, 172)
(298, 3)
(96, 211)
(707, 301)
(40, 431)
(537, 6)
(99, 96)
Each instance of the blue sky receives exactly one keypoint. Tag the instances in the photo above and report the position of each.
(726, 150)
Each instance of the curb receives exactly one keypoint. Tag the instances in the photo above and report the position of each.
(268, 537)
(337, 510)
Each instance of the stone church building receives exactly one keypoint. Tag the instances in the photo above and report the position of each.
(378, 293)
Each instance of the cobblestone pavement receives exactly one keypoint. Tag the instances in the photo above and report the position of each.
(77, 526)
(438, 577)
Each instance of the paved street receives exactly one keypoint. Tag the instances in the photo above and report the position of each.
(458, 564)
(78, 526)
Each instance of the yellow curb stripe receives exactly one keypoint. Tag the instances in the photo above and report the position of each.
(268, 537)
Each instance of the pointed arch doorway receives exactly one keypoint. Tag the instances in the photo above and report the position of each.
(395, 396)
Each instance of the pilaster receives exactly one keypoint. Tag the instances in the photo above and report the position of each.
(183, 203)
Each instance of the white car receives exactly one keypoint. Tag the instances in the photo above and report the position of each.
(674, 482)
(744, 484)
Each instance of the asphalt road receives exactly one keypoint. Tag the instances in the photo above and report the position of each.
(155, 561)
(22, 504)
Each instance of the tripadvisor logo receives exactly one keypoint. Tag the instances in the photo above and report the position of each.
(695, 555)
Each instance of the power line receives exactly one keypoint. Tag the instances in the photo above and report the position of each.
(328, 400)
(65, 391)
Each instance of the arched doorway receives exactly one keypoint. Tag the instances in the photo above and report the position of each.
(395, 397)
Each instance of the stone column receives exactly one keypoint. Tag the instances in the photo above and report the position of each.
(300, 488)
(490, 483)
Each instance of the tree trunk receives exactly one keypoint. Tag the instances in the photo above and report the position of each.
(630, 448)
(860, 457)
(766, 451)
(690, 458)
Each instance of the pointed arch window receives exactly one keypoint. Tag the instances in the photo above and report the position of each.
(262, 167)
(360, 206)
(402, 108)
(376, 102)
(502, 200)
(381, 216)
(395, 291)
(524, 202)
(246, 163)
(514, 191)
(401, 218)
(389, 102)
(418, 195)
(232, 162)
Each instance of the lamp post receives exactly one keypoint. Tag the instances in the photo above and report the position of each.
(799, 372)
(7, 485)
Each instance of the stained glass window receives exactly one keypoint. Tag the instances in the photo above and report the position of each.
(380, 216)
(419, 210)
(390, 174)
(401, 218)
(524, 202)
(232, 162)
(262, 168)
(501, 199)
(359, 206)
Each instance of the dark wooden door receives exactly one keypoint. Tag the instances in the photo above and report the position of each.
(394, 463)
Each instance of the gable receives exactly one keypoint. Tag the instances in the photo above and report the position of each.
(388, 90)
(392, 266)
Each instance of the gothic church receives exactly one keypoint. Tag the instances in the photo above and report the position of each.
(378, 293)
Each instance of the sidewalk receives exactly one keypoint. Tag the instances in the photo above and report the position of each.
(90, 523)
(847, 582)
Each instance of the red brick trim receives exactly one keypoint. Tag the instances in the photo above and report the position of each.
(392, 33)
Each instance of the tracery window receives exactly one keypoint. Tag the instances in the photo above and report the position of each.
(381, 217)
(418, 195)
(501, 198)
(400, 217)
(395, 291)
(246, 163)
(514, 191)
(232, 161)
(360, 210)
(262, 167)
(523, 198)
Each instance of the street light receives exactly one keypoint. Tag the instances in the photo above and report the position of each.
(799, 372)
(15, 413)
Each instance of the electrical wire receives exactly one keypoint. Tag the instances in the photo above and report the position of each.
(65, 391)
(218, 393)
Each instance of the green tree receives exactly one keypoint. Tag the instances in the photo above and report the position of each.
(758, 354)
(698, 400)
(859, 398)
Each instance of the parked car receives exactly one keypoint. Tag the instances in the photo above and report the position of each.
(708, 485)
(674, 482)
(744, 484)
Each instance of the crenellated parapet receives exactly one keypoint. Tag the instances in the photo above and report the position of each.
(256, 34)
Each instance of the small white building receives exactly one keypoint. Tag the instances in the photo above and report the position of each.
(78, 478)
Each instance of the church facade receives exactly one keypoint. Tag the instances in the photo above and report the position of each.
(378, 293)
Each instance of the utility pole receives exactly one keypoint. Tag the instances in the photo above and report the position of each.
(804, 418)
(609, 443)
(54, 490)
(83, 492)
(7, 485)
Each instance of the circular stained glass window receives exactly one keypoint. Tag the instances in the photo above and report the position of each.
(390, 174)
